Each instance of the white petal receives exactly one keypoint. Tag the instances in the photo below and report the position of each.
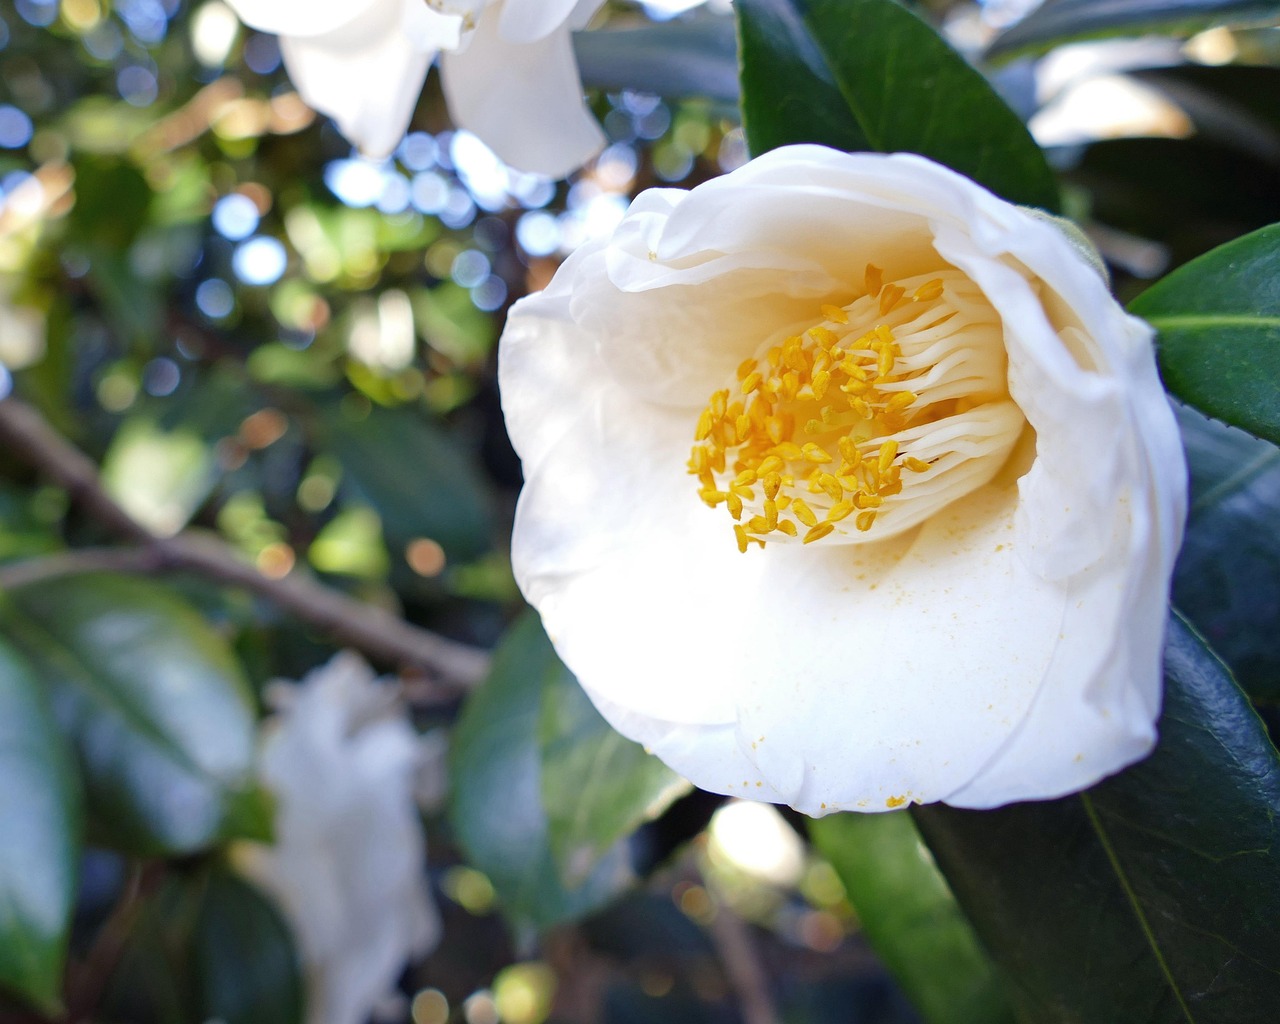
(369, 87)
(311, 17)
(524, 100)
(1009, 648)
(526, 21)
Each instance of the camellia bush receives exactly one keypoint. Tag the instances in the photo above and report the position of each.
(587, 510)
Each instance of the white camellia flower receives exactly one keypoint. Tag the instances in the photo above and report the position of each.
(509, 72)
(848, 485)
(349, 863)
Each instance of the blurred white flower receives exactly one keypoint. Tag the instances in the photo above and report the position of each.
(921, 547)
(508, 70)
(349, 863)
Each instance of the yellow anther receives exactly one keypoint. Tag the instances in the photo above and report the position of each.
(770, 464)
(891, 488)
(740, 491)
(855, 387)
(874, 280)
(771, 514)
(840, 510)
(832, 486)
(790, 385)
(890, 296)
(915, 465)
(899, 401)
(813, 427)
(835, 314)
(824, 336)
(815, 453)
(747, 476)
(772, 484)
(741, 535)
(860, 406)
(789, 450)
(773, 428)
(849, 451)
(803, 512)
(735, 505)
(821, 381)
(784, 500)
(888, 452)
(706, 422)
(711, 496)
(757, 524)
(864, 500)
(928, 291)
(742, 428)
(787, 526)
(775, 356)
(751, 381)
(883, 334)
(719, 403)
(746, 367)
(884, 363)
(818, 532)
(864, 521)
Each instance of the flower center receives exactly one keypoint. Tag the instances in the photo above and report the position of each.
(879, 415)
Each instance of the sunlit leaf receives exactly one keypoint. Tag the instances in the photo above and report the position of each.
(909, 916)
(39, 839)
(153, 700)
(1060, 21)
(497, 809)
(1218, 318)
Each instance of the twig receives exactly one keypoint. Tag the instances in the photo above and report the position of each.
(745, 973)
(89, 979)
(378, 633)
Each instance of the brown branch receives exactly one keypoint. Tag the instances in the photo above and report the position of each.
(379, 634)
(745, 973)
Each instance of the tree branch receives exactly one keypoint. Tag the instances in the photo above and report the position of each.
(378, 633)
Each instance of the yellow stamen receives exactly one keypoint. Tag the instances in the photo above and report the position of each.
(818, 532)
(837, 315)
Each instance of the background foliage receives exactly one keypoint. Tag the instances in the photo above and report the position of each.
(249, 415)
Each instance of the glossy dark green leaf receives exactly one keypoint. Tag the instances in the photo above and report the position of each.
(1155, 896)
(205, 946)
(1060, 21)
(1219, 324)
(597, 786)
(497, 808)
(418, 480)
(789, 94)
(909, 916)
(153, 700)
(695, 56)
(904, 88)
(1227, 581)
(245, 968)
(39, 839)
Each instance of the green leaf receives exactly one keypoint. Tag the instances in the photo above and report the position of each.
(153, 700)
(160, 477)
(903, 89)
(1153, 897)
(1227, 580)
(695, 56)
(39, 839)
(497, 809)
(597, 785)
(419, 482)
(1059, 21)
(789, 94)
(244, 966)
(909, 916)
(1219, 323)
(207, 946)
